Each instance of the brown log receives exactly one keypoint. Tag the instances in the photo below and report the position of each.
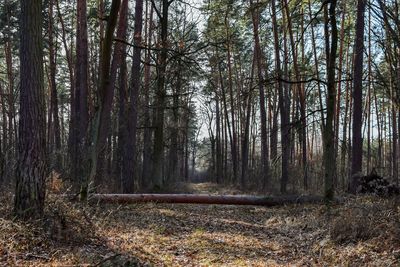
(205, 199)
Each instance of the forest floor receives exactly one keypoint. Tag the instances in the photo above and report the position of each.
(360, 232)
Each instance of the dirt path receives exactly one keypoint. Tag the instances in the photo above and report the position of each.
(208, 235)
(194, 235)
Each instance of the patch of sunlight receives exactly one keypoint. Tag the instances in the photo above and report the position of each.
(167, 212)
(241, 223)
(198, 231)
(273, 221)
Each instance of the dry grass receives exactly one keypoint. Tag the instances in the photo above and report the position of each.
(361, 232)
(365, 219)
(64, 237)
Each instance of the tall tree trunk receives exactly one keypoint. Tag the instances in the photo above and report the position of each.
(356, 156)
(129, 164)
(71, 76)
(379, 129)
(246, 136)
(286, 96)
(158, 150)
(230, 87)
(53, 87)
(108, 97)
(329, 135)
(147, 122)
(79, 107)
(346, 120)
(264, 135)
(4, 136)
(173, 151)
(122, 110)
(129, 154)
(119, 61)
(95, 145)
(31, 168)
(369, 94)
(219, 152)
(11, 104)
(394, 143)
(339, 86)
(301, 96)
(282, 104)
(227, 127)
(316, 62)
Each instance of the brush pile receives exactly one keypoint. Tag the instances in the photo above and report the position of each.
(377, 185)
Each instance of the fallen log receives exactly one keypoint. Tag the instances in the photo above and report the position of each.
(205, 199)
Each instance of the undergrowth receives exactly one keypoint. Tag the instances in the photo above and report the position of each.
(363, 231)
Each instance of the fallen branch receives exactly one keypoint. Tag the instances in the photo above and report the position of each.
(205, 199)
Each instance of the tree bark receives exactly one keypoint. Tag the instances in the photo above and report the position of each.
(246, 135)
(264, 135)
(54, 96)
(79, 106)
(108, 97)
(129, 164)
(301, 97)
(227, 127)
(146, 163)
(95, 146)
(71, 145)
(12, 131)
(173, 151)
(234, 152)
(122, 108)
(339, 86)
(31, 167)
(282, 104)
(286, 103)
(357, 150)
(328, 134)
(158, 151)
(3, 174)
(219, 148)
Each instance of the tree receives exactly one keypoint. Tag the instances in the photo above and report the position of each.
(119, 63)
(79, 98)
(95, 144)
(145, 179)
(31, 167)
(54, 117)
(300, 94)
(357, 150)
(258, 59)
(282, 103)
(245, 137)
(158, 150)
(130, 150)
(109, 91)
(232, 101)
(328, 133)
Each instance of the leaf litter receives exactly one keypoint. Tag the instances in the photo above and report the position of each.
(364, 231)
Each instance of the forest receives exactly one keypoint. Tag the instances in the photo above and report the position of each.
(199, 133)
